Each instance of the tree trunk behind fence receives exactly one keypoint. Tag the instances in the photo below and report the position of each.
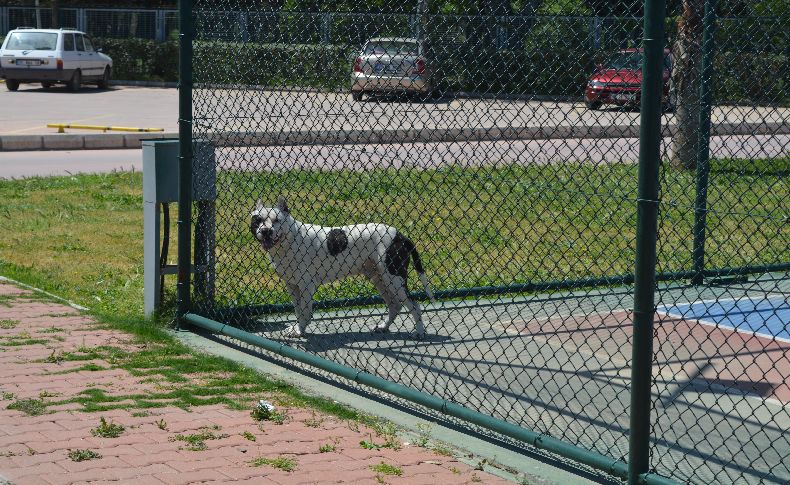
(687, 54)
(55, 14)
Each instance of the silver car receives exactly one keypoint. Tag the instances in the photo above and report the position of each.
(392, 65)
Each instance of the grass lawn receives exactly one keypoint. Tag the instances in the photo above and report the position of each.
(81, 236)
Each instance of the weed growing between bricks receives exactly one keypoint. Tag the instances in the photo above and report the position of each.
(387, 469)
(283, 463)
(197, 441)
(107, 430)
(83, 455)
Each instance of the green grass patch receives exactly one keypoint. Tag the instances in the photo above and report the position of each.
(83, 455)
(474, 226)
(8, 324)
(283, 463)
(52, 329)
(31, 407)
(20, 339)
(83, 368)
(248, 436)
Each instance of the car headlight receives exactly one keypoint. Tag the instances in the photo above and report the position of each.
(596, 84)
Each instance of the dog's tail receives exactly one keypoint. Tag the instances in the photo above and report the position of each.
(415, 256)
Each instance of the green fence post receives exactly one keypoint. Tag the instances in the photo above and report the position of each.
(646, 231)
(703, 145)
(184, 157)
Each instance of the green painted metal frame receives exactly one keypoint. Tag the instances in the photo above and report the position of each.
(646, 240)
(703, 144)
(183, 287)
(612, 466)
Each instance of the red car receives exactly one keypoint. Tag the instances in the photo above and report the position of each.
(618, 81)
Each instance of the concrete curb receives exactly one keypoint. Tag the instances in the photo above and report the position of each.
(74, 141)
(228, 139)
(145, 84)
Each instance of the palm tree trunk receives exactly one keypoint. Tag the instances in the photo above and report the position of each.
(687, 55)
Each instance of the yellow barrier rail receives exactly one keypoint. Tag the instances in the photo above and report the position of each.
(62, 128)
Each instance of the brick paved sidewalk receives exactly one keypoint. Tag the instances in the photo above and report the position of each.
(35, 448)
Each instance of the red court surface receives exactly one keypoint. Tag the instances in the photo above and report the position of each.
(721, 359)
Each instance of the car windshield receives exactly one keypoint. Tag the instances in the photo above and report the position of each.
(39, 41)
(391, 48)
(630, 61)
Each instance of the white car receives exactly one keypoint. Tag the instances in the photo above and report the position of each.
(51, 56)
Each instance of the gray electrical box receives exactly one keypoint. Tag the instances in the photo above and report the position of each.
(160, 188)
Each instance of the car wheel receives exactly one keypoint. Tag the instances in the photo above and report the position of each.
(12, 84)
(76, 81)
(46, 85)
(357, 95)
(592, 105)
(104, 83)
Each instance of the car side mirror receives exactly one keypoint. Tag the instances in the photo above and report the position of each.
(99, 50)
(599, 66)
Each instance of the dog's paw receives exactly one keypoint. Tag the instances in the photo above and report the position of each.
(293, 332)
(380, 329)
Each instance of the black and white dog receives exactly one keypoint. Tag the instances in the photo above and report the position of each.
(306, 256)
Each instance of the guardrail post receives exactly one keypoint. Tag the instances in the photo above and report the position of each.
(184, 158)
(703, 145)
(646, 232)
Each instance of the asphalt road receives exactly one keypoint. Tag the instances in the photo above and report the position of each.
(28, 110)
(361, 157)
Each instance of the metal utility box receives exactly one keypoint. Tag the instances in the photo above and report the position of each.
(160, 188)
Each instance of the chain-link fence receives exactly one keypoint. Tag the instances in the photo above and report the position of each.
(154, 24)
(494, 165)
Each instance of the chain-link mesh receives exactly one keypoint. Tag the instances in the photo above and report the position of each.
(502, 150)
(722, 347)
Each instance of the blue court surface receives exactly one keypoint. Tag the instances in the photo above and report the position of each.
(767, 317)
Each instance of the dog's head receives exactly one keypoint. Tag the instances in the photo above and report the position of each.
(269, 224)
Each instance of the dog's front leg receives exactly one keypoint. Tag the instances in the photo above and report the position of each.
(303, 307)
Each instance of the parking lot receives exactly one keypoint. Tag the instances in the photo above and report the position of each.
(28, 110)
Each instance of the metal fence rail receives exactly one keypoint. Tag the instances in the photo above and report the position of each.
(622, 300)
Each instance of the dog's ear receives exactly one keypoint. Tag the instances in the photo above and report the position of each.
(259, 203)
(282, 204)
